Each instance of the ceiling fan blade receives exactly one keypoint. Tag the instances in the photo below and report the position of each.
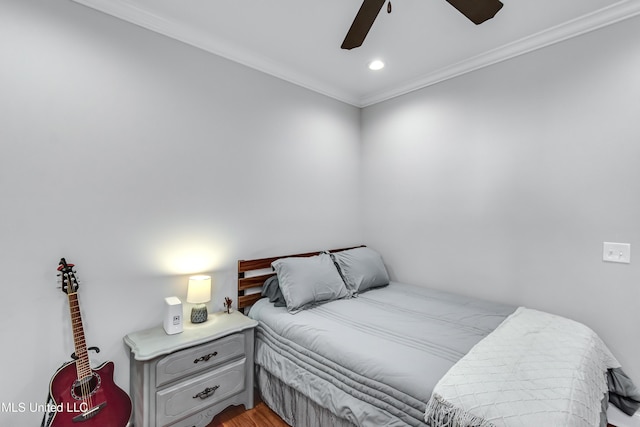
(362, 23)
(477, 11)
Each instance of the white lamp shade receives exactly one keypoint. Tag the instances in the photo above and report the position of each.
(199, 290)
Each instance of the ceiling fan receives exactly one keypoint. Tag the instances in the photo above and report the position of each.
(477, 11)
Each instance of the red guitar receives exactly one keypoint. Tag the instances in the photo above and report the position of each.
(84, 397)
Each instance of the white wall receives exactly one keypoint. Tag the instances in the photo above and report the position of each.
(504, 183)
(143, 160)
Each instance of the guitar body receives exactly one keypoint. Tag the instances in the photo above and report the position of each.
(98, 402)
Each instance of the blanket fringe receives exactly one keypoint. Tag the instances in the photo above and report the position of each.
(440, 413)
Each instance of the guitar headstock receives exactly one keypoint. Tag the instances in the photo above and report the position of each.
(68, 277)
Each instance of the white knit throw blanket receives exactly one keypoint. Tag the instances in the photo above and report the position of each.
(535, 369)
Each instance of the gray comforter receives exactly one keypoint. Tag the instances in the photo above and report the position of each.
(375, 359)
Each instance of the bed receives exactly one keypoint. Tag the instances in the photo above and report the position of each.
(340, 344)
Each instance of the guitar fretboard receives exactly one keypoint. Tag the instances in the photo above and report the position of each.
(83, 368)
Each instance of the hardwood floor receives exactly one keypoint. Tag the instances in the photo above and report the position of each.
(259, 416)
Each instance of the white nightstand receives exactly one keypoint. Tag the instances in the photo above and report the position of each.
(188, 378)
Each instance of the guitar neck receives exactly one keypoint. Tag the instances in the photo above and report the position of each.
(83, 367)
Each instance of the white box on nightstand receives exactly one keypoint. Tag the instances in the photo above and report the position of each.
(172, 315)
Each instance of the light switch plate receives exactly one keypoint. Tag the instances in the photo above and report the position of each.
(616, 252)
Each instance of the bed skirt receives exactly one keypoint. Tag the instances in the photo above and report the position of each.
(293, 407)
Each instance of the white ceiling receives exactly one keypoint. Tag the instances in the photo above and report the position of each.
(421, 41)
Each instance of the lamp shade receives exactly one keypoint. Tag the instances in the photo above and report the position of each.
(199, 290)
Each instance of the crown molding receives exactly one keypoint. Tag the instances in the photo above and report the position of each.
(606, 16)
(573, 28)
(123, 10)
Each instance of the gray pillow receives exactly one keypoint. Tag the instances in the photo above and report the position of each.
(361, 268)
(271, 290)
(307, 281)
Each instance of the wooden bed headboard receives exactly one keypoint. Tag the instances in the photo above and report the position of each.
(254, 282)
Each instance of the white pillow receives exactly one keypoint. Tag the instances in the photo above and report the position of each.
(307, 281)
(362, 269)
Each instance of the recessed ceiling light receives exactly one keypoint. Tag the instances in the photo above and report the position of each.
(376, 65)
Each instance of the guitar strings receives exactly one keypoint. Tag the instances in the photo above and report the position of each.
(84, 373)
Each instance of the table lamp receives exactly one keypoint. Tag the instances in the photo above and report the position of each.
(199, 293)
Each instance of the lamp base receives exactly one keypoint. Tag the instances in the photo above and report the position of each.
(199, 314)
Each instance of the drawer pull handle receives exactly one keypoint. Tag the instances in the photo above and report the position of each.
(206, 392)
(206, 358)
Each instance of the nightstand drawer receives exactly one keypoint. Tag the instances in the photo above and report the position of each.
(193, 360)
(185, 398)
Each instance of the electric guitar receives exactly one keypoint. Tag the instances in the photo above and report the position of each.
(84, 397)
